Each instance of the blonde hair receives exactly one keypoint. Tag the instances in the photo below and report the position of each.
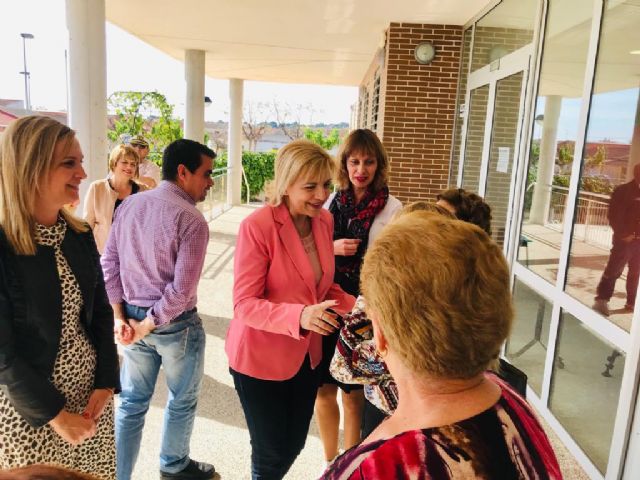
(366, 142)
(300, 158)
(124, 151)
(439, 289)
(423, 206)
(26, 158)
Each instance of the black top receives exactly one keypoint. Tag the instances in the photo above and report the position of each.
(135, 188)
(31, 323)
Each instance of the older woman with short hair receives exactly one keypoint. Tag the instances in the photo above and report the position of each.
(439, 321)
(105, 196)
(283, 286)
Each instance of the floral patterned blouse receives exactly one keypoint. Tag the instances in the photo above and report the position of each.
(503, 442)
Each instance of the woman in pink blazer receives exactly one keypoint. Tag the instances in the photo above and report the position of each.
(284, 269)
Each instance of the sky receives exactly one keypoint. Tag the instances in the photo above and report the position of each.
(131, 65)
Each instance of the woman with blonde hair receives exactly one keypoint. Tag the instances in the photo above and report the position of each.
(283, 286)
(58, 360)
(439, 320)
(105, 196)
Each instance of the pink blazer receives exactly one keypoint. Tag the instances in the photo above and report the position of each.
(273, 281)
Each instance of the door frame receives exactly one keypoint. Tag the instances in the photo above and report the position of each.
(491, 74)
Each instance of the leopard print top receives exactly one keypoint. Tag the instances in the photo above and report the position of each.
(73, 375)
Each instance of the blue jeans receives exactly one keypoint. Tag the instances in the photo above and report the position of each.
(179, 348)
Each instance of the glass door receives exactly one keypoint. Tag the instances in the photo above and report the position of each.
(492, 132)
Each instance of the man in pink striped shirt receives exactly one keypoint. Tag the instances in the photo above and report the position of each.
(152, 264)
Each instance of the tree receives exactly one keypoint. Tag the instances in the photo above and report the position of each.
(254, 123)
(597, 160)
(319, 137)
(218, 140)
(144, 113)
(290, 119)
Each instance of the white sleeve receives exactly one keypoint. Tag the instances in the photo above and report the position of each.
(329, 200)
(384, 217)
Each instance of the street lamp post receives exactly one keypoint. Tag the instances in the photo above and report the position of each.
(27, 79)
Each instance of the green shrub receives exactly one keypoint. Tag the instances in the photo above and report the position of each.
(258, 167)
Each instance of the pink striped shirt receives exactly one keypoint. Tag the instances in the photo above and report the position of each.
(155, 252)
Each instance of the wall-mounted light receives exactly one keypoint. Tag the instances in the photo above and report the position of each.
(424, 53)
(635, 52)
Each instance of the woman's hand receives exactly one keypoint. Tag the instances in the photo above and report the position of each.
(315, 318)
(73, 428)
(346, 246)
(97, 402)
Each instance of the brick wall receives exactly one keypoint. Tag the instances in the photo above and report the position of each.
(416, 125)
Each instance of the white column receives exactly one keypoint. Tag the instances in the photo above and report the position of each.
(234, 153)
(546, 163)
(88, 85)
(194, 77)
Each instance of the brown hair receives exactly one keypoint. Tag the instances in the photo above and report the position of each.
(469, 207)
(439, 289)
(363, 141)
(26, 158)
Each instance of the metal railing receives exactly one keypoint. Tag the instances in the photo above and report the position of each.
(591, 223)
(246, 184)
(216, 202)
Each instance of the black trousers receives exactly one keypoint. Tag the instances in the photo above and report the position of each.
(278, 414)
(622, 254)
(372, 416)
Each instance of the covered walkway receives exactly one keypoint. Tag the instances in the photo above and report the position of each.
(220, 435)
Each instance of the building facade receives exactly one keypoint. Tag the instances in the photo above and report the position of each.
(534, 104)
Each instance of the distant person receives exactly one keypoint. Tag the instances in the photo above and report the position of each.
(439, 321)
(149, 171)
(58, 360)
(153, 290)
(361, 207)
(283, 290)
(624, 218)
(466, 206)
(105, 196)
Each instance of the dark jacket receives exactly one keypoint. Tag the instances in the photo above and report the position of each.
(31, 323)
(624, 210)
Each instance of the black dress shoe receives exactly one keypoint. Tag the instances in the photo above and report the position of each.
(193, 471)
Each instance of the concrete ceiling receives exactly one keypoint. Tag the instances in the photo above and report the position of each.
(287, 41)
